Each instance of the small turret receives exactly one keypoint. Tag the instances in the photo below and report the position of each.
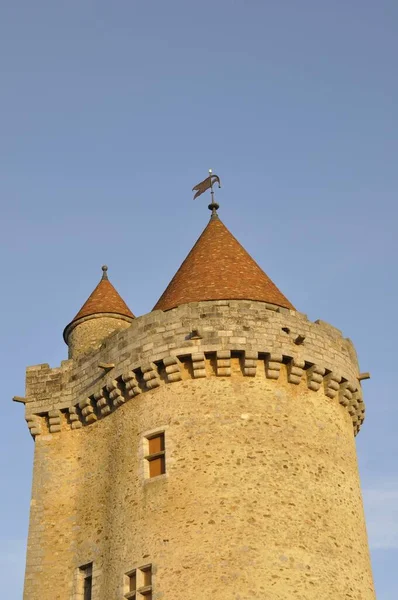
(103, 313)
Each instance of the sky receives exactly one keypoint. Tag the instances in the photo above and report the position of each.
(110, 112)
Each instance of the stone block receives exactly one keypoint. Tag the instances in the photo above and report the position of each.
(55, 428)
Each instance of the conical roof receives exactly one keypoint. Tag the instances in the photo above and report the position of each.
(219, 268)
(104, 299)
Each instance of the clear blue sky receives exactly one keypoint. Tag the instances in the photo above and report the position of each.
(111, 111)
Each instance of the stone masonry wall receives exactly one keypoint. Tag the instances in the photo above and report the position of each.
(261, 496)
(87, 333)
(260, 500)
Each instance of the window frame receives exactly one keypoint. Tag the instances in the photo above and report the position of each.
(141, 592)
(152, 456)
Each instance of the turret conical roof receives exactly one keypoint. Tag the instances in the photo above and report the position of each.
(104, 299)
(219, 268)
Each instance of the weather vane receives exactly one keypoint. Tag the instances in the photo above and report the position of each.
(207, 184)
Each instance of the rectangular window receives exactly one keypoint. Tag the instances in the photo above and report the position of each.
(85, 582)
(155, 454)
(138, 583)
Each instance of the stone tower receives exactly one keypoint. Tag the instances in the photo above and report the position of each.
(203, 450)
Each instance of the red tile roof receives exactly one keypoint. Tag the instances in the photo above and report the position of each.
(104, 299)
(219, 268)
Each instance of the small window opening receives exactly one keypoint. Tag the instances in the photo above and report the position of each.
(138, 583)
(156, 454)
(86, 582)
(88, 586)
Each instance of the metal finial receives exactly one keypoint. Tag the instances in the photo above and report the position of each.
(104, 273)
(213, 206)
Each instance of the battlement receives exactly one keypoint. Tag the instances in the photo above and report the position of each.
(213, 338)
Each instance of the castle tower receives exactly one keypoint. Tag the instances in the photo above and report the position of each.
(103, 313)
(206, 450)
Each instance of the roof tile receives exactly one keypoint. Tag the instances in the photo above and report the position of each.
(104, 299)
(219, 268)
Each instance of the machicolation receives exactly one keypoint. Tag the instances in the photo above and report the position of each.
(237, 338)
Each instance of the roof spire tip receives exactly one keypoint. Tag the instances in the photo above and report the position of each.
(213, 206)
(104, 272)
